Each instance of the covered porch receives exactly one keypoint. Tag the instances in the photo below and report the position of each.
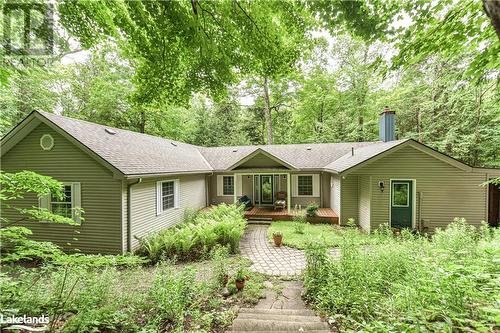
(263, 189)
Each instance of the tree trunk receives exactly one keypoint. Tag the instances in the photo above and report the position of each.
(142, 124)
(267, 113)
(492, 9)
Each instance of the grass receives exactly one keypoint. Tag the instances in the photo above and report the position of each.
(327, 234)
(410, 283)
(164, 297)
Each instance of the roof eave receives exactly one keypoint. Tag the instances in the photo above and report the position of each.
(166, 174)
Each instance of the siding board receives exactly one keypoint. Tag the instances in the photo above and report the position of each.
(143, 208)
(445, 192)
(100, 193)
(349, 198)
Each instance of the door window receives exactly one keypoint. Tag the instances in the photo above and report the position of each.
(267, 189)
(400, 195)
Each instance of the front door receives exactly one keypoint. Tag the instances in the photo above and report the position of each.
(401, 203)
(266, 189)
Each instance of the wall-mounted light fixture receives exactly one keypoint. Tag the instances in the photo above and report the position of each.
(381, 186)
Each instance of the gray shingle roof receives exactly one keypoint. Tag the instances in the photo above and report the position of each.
(133, 153)
(139, 154)
(361, 154)
(318, 156)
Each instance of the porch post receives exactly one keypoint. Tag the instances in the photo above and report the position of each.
(235, 179)
(288, 195)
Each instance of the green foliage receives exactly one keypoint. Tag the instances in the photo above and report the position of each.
(312, 209)
(132, 299)
(221, 225)
(299, 228)
(207, 43)
(392, 286)
(329, 235)
(241, 274)
(14, 242)
(299, 223)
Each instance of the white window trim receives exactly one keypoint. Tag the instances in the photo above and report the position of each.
(159, 203)
(47, 136)
(297, 186)
(46, 201)
(234, 189)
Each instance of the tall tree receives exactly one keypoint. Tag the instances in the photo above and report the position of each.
(181, 47)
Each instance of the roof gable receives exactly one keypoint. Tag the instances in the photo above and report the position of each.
(363, 156)
(259, 158)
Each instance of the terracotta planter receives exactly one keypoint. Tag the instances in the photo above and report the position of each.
(278, 239)
(240, 285)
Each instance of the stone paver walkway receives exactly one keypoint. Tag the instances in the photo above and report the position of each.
(269, 259)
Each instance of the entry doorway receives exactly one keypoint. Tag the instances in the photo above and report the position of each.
(494, 205)
(402, 203)
(266, 189)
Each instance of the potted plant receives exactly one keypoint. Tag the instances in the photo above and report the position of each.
(240, 277)
(278, 238)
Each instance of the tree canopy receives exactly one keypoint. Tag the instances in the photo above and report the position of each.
(231, 72)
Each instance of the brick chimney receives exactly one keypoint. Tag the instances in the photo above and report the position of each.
(387, 125)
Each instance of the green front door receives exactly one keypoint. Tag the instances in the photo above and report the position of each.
(401, 203)
(266, 189)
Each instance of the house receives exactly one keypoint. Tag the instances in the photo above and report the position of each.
(131, 184)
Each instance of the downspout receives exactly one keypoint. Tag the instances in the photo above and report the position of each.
(129, 217)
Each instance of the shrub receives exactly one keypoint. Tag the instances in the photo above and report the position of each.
(299, 223)
(163, 298)
(409, 283)
(312, 209)
(197, 236)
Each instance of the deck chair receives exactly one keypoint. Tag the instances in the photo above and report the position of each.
(280, 202)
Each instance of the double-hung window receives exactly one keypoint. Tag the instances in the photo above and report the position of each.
(228, 185)
(167, 195)
(305, 185)
(65, 206)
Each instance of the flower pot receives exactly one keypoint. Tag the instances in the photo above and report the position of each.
(278, 239)
(240, 284)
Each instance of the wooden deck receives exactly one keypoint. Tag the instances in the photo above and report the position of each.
(324, 215)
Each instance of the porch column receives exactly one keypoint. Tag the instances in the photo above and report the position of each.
(288, 195)
(234, 187)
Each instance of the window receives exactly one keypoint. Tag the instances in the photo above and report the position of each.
(305, 185)
(227, 185)
(66, 206)
(63, 206)
(400, 196)
(167, 195)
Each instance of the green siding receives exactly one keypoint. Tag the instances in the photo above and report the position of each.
(445, 192)
(143, 209)
(349, 198)
(100, 193)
